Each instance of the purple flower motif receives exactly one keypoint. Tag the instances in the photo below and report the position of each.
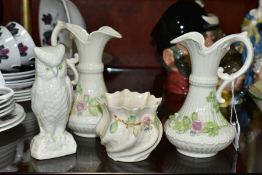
(197, 126)
(22, 49)
(3, 53)
(80, 107)
(12, 29)
(47, 19)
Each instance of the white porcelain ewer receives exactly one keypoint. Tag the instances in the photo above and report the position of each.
(86, 111)
(199, 129)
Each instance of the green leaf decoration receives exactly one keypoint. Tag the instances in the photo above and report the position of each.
(113, 127)
(194, 116)
(186, 121)
(216, 107)
(86, 98)
(93, 102)
(94, 110)
(131, 119)
(211, 96)
(79, 88)
(211, 128)
(136, 131)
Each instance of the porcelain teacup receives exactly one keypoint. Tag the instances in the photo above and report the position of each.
(9, 53)
(24, 42)
(6, 93)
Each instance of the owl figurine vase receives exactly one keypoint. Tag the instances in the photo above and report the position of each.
(51, 104)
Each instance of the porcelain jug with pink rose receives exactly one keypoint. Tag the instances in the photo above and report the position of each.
(199, 129)
(86, 110)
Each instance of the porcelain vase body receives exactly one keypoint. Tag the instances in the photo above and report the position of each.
(86, 111)
(199, 129)
(130, 128)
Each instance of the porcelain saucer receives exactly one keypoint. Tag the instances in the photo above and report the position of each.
(13, 119)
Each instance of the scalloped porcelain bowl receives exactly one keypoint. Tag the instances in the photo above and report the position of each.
(130, 128)
(255, 91)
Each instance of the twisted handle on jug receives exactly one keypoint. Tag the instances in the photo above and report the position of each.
(72, 61)
(229, 78)
(72, 64)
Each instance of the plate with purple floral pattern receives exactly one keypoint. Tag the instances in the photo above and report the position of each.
(50, 11)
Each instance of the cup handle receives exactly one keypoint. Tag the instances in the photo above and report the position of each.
(72, 64)
(243, 37)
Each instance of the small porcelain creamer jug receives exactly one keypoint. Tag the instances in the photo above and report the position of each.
(129, 128)
(86, 112)
(199, 129)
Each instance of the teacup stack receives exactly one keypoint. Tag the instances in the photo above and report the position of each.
(17, 60)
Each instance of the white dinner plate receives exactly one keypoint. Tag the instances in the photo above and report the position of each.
(15, 74)
(17, 116)
(20, 81)
(13, 124)
(23, 99)
(20, 77)
(50, 11)
(26, 96)
(17, 86)
(23, 91)
(22, 94)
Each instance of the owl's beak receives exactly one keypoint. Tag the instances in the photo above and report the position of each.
(55, 71)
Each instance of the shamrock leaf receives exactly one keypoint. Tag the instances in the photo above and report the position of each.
(113, 127)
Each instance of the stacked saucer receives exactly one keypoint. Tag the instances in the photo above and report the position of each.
(21, 82)
(11, 148)
(11, 113)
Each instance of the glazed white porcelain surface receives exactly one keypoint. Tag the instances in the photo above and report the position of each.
(7, 110)
(86, 111)
(16, 117)
(10, 55)
(51, 11)
(5, 94)
(130, 128)
(8, 102)
(51, 104)
(20, 85)
(17, 74)
(199, 129)
(19, 77)
(24, 42)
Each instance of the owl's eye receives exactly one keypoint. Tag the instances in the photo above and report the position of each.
(60, 67)
(47, 68)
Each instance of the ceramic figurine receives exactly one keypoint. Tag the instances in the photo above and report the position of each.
(130, 128)
(252, 23)
(174, 22)
(86, 111)
(199, 129)
(51, 104)
(257, 68)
